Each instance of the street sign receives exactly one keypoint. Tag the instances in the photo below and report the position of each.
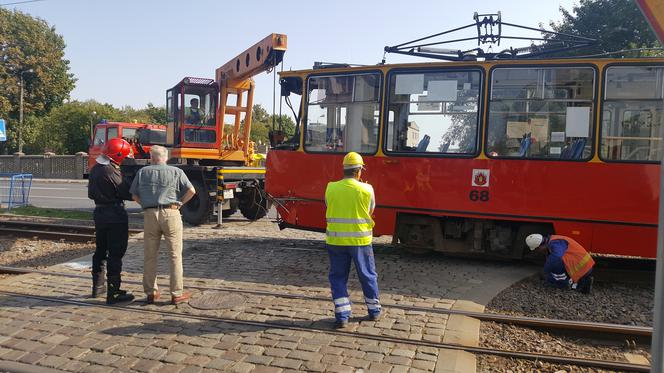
(3, 130)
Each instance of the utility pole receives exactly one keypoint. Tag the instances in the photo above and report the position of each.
(94, 114)
(653, 11)
(20, 113)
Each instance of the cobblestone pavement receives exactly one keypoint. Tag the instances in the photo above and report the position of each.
(253, 257)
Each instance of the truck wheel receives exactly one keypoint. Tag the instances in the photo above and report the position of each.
(198, 210)
(253, 203)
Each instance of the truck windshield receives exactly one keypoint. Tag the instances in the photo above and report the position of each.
(199, 106)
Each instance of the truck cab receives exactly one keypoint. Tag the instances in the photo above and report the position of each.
(192, 118)
(134, 133)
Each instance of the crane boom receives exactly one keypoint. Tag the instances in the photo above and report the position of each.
(235, 78)
(260, 57)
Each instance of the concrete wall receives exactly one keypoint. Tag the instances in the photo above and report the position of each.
(47, 166)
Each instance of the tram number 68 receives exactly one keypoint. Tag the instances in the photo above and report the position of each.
(476, 195)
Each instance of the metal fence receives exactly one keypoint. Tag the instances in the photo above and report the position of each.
(49, 165)
(15, 190)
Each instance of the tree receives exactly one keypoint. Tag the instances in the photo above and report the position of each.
(616, 24)
(155, 114)
(66, 130)
(261, 124)
(28, 43)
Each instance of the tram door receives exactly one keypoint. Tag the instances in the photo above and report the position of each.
(343, 113)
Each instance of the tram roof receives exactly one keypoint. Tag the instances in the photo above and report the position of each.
(484, 64)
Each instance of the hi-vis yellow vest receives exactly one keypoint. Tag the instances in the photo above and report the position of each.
(349, 222)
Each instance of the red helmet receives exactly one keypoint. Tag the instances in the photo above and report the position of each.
(117, 150)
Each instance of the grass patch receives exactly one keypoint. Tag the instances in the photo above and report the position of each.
(51, 213)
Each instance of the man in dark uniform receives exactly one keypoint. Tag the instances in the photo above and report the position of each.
(108, 190)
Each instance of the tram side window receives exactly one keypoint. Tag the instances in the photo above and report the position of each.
(541, 112)
(433, 112)
(342, 113)
(633, 114)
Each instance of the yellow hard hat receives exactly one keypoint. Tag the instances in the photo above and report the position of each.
(353, 160)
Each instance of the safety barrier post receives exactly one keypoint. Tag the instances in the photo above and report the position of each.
(220, 206)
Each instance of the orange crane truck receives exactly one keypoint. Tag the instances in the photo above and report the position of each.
(208, 136)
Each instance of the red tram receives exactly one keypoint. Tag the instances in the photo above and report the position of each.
(470, 157)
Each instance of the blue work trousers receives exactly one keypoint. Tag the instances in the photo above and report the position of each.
(340, 259)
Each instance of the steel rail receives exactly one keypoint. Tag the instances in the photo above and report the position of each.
(556, 359)
(39, 225)
(79, 233)
(534, 322)
(51, 235)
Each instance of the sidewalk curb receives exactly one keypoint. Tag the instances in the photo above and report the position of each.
(462, 330)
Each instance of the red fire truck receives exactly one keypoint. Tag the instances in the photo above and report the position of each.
(135, 133)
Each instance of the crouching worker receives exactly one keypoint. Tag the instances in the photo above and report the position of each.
(568, 265)
(350, 204)
(108, 190)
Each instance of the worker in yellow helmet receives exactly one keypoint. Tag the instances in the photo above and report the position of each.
(350, 204)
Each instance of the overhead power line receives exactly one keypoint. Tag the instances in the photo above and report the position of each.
(21, 2)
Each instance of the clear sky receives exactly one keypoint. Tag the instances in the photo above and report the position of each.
(128, 52)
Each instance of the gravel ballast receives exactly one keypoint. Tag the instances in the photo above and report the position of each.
(616, 303)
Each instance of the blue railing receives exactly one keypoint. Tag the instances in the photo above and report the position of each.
(15, 189)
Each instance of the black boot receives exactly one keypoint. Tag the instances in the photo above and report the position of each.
(98, 285)
(114, 294)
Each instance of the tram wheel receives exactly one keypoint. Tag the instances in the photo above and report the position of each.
(415, 250)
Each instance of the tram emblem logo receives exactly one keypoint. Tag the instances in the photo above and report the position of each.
(480, 178)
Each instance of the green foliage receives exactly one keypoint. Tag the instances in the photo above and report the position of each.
(67, 129)
(261, 124)
(155, 114)
(617, 24)
(52, 213)
(30, 43)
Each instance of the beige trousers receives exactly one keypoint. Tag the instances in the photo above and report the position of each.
(166, 222)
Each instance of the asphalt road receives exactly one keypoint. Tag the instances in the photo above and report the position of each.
(72, 196)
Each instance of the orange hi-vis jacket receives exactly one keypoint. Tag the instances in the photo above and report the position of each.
(577, 260)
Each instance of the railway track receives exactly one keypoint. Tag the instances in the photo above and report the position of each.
(606, 329)
(610, 331)
(77, 233)
(556, 359)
